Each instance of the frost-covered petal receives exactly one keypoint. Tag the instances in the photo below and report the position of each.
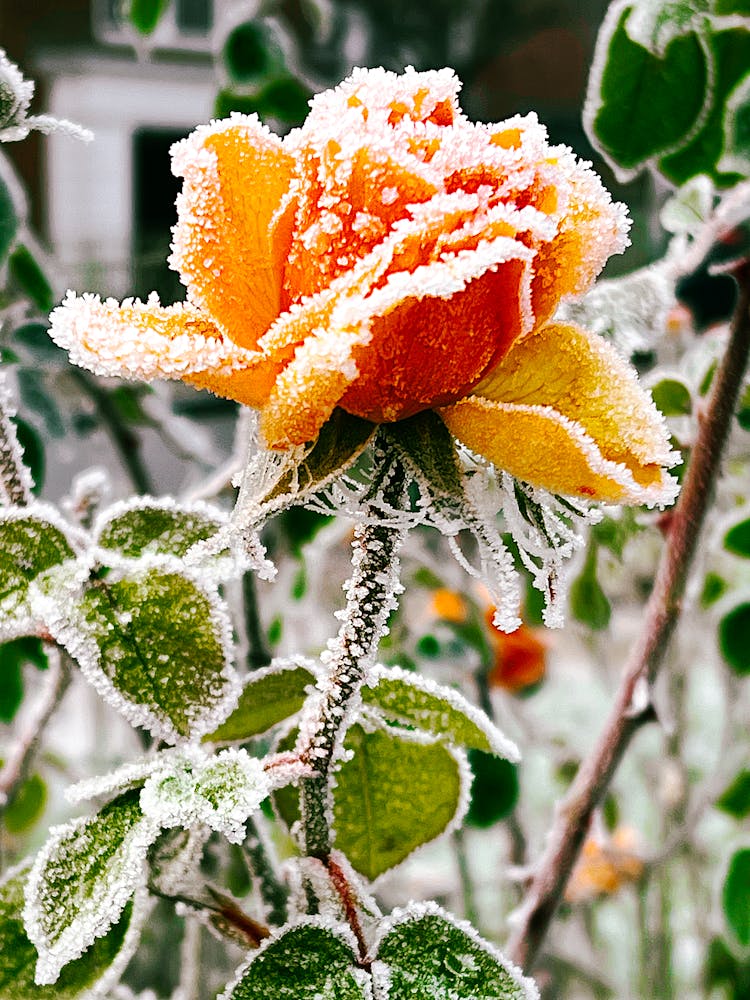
(145, 340)
(232, 236)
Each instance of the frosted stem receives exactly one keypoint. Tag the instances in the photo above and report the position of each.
(371, 596)
(15, 479)
(632, 704)
(22, 753)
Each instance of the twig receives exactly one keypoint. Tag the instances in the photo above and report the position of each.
(370, 599)
(632, 704)
(16, 767)
(342, 887)
(124, 440)
(272, 892)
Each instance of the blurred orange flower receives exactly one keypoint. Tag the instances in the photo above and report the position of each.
(520, 656)
(448, 605)
(387, 257)
(605, 865)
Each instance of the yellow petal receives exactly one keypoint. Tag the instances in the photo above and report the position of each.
(563, 410)
(234, 224)
(144, 340)
(539, 446)
(585, 379)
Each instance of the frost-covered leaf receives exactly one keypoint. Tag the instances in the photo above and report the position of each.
(414, 700)
(429, 955)
(86, 977)
(309, 961)
(269, 696)
(32, 540)
(146, 526)
(82, 880)
(341, 440)
(8, 219)
(736, 896)
(736, 155)
(737, 539)
(641, 104)
(221, 791)
(394, 793)
(158, 647)
(734, 638)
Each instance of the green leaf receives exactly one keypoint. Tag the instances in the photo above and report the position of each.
(734, 638)
(26, 273)
(588, 602)
(26, 806)
(252, 53)
(741, 7)
(13, 656)
(714, 586)
(641, 105)
(33, 452)
(701, 155)
(144, 15)
(672, 397)
(427, 446)
(286, 99)
(413, 700)
(494, 791)
(736, 896)
(269, 696)
(743, 411)
(735, 799)
(156, 526)
(429, 955)
(157, 646)
(36, 397)
(8, 220)
(393, 796)
(29, 545)
(341, 440)
(736, 154)
(737, 539)
(35, 339)
(306, 962)
(18, 955)
(82, 880)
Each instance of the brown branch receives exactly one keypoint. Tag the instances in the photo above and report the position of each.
(632, 704)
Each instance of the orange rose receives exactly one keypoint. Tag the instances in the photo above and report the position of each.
(388, 257)
(520, 656)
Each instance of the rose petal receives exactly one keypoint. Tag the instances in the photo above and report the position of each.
(233, 231)
(144, 340)
(538, 445)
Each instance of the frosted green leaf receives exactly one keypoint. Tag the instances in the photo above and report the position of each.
(156, 526)
(158, 647)
(429, 955)
(736, 896)
(394, 795)
(654, 23)
(736, 157)
(413, 700)
(309, 961)
(82, 880)
(269, 696)
(8, 219)
(31, 542)
(18, 955)
(641, 103)
(220, 792)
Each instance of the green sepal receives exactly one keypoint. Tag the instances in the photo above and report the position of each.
(426, 446)
(269, 696)
(307, 961)
(429, 954)
(18, 955)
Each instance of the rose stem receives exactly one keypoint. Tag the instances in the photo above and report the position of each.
(371, 596)
(662, 612)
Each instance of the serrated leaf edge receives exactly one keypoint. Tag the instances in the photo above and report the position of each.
(342, 931)
(138, 503)
(415, 911)
(497, 743)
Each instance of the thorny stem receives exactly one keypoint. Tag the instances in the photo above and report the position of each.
(632, 703)
(370, 595)
(16, 767)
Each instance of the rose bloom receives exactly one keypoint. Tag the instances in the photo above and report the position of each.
(520, 656)
(388, 257)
